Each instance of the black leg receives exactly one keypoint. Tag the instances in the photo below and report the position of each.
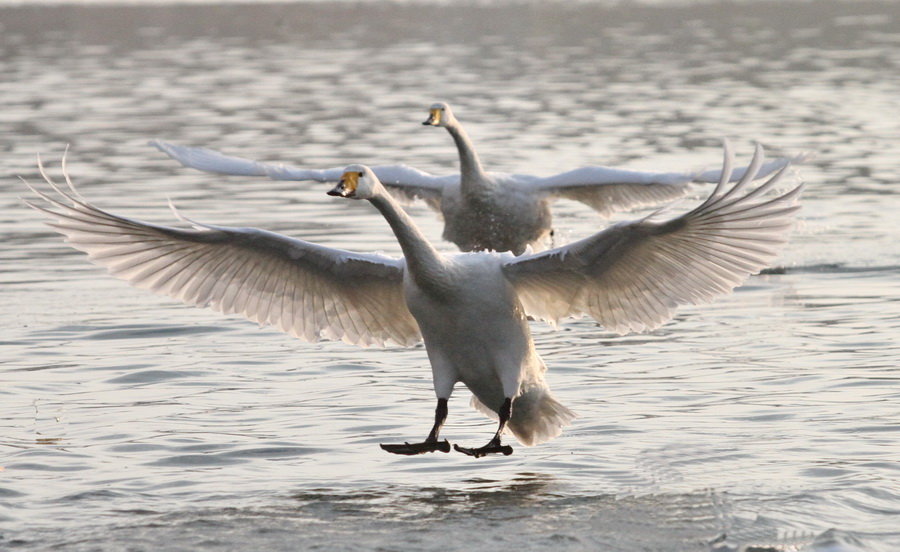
(440, 415)
(431, 443)
(493, 446)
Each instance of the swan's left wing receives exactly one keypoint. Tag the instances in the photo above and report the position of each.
(608, 190)
(404, 182)
(306, 290)
(632, 276)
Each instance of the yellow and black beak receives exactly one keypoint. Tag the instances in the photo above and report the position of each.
(434, 117)
(346, 186)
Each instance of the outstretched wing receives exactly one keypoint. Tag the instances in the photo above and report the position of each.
(632, 276)
(608, 190)
(306, 290)
(402, 181)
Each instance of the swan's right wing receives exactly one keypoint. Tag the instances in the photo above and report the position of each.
(402, 181)
(632, 276)
(306, 290)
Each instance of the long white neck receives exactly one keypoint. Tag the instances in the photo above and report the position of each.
(424, 263)
(469, 164)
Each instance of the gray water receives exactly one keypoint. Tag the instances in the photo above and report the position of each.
(767, 421)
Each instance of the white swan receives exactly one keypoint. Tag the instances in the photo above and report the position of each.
(485, 210)
(470, 308)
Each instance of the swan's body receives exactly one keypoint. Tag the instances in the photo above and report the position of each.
(499, 219)
(494, 365)
(471, 309)
(486, 211)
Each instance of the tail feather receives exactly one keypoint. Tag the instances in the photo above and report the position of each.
(536, 416)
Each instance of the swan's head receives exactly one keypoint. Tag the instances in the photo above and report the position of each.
(439, 115)
(357, 182)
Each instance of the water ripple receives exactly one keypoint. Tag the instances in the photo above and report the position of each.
(765, 421)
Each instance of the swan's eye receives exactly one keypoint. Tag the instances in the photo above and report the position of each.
(361, 175)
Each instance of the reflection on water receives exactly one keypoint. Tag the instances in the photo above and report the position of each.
(766, 421)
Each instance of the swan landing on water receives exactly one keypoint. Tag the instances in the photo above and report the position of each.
(482, 210)
(471, 309)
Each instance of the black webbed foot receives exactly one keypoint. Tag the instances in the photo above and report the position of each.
(418, 448)
(493, 446)
(489, 448)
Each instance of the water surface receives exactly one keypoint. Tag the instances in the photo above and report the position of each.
(766, 421)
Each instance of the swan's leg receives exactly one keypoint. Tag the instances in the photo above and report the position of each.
(431, 442)
(493, 446)
(440, 415)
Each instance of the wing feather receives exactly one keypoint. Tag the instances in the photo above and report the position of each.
(404, 182)
(632, 276)
(303, 289)
(608, 190)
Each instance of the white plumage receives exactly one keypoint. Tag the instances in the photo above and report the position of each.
(470, 308)
(486, 211)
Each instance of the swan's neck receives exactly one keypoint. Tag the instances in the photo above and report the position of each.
(424, 263)
(469, 164)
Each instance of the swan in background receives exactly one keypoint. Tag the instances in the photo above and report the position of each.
(486, 211)
(471, 309)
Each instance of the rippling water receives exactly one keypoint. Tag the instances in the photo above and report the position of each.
(767, 421)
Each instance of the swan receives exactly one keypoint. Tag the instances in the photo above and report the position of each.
(471, 309)
(485, 210)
